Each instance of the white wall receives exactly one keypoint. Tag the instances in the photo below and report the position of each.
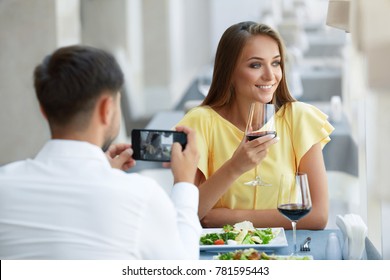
(190, 38)
(28, 31)
(176, 39)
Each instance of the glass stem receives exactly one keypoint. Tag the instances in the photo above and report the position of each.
(294, 228)
(257, 177)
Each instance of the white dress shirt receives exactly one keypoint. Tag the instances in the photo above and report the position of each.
(68, 203)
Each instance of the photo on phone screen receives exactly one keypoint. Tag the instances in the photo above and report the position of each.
(155, 145)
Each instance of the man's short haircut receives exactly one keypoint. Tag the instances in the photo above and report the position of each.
(69, 81)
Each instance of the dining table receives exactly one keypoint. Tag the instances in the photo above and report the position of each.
(317, 245)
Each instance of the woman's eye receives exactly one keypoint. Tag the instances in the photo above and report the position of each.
(276, 63)
(255, 65)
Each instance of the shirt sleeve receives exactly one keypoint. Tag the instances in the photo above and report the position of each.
(310, 126)
(171, 227)
(185, 197)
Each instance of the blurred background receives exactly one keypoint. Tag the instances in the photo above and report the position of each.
(337, 60)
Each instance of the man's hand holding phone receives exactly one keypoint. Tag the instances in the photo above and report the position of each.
(155, 145)
(120, 156)
(184, 162)
(176, 149)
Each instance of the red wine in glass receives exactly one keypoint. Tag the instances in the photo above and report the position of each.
(261, 122)
(255, 135)
(294, 212)
(294, 200)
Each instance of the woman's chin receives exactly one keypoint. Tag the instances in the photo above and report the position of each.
(265, 98)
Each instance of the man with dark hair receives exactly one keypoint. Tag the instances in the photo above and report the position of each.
(71, 201)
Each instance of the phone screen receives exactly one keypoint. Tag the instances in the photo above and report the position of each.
(155, 145)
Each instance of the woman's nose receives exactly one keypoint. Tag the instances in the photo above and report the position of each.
(267, 74)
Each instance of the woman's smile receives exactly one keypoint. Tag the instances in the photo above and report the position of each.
(264, 86)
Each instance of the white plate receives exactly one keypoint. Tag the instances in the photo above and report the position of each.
(284, 257)
(278, 242)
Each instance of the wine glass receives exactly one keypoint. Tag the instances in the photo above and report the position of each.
(261, 122)
(294, 201)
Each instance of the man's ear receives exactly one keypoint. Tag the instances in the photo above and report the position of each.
(105, 108)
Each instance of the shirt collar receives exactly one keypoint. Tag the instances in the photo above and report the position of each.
(72, 149)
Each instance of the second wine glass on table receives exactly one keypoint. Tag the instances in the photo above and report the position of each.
(294, 200)
(261, 122)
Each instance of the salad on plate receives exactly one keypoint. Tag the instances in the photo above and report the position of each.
(243, 233)
(253, 254)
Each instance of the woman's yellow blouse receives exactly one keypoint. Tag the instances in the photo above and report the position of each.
(299, 126)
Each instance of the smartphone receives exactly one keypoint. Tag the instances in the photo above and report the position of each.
(155, 145)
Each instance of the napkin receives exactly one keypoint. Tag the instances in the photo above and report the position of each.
(354, 232)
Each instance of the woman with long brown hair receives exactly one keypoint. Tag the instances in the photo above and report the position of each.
(250, 66)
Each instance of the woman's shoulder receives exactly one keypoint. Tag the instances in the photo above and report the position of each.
(200, 110)
(307, 116)
(300, 106)
(200, 113)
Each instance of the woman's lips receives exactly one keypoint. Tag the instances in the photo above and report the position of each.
(264, 86)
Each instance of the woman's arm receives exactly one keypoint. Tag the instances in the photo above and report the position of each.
(312, 163)
(246, 157)
(218, 217)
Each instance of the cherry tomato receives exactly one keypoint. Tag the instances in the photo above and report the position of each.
(219, 242)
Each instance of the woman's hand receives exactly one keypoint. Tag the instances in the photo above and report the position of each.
(120, 156)
(251, 153)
